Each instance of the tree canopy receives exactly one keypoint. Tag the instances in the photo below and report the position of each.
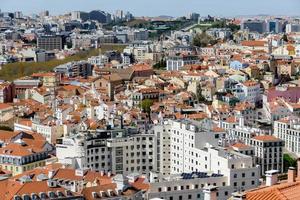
(203, 40)
(146, 104)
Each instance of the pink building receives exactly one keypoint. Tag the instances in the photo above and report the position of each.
(291, 94)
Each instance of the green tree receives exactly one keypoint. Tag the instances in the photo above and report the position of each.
(288, 161)
(162, 64)
(285, 38)
(203, 40)
(146, 104)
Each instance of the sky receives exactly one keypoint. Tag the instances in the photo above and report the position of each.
(159, 7)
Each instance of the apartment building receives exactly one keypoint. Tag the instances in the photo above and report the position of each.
(163, 135)
(268, 152)
(74, 69)
(21, 151)
(196, 155)
(177, 62)
(50, 42)
(120, 151)
(248, 91)
(288, 129)
(187, 186)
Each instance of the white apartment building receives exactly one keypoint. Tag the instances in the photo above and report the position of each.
(187, 186)
(177, 62)
(198, 165)
(248, 91)
(288, 129)
(100, 60)
(71, 151)
(268, 152)
(276, 110)
(120, 151)
(267, 148)
(163, 135)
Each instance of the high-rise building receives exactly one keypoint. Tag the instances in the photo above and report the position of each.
(44, 13)
(18, 14)
(274, 26)
(290, 28)
(254, 26)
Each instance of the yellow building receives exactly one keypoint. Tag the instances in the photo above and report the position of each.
(23, 151)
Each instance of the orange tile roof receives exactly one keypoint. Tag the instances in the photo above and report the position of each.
(217, 129)
(140, 184)
(283, 191)
(254, 43)
(141, 67)
(89, 176)
(231, 119)
(25, 122)
(240, 146)
(43, 74)
(250, 83)
(5, 106)
(266, 138)
(11, 187)
(88, 192)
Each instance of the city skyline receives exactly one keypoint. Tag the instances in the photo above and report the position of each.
(151, 8)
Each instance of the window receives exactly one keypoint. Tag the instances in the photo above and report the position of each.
(226, 193)
(198, 196)
(243, 175)
(190, 196)
(180, 197)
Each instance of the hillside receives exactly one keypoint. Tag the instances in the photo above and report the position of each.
(13, 71)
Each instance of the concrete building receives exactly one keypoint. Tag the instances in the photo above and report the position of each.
(75, 69)
(268, 152)
(177, 62)
(21, 151)
(248, 91)
(121, 151)
(292, 28)
(194, 149)
(288, 129)
(254, 26)
(50, 42)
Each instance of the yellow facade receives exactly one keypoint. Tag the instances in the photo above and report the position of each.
(19, 169)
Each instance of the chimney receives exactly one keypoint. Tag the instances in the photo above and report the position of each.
(210, 193)
(238, 196)
(271, 177)
(291, 175)
(51, 173)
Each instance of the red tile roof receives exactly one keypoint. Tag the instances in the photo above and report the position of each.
(283, 191)
(266, 138)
